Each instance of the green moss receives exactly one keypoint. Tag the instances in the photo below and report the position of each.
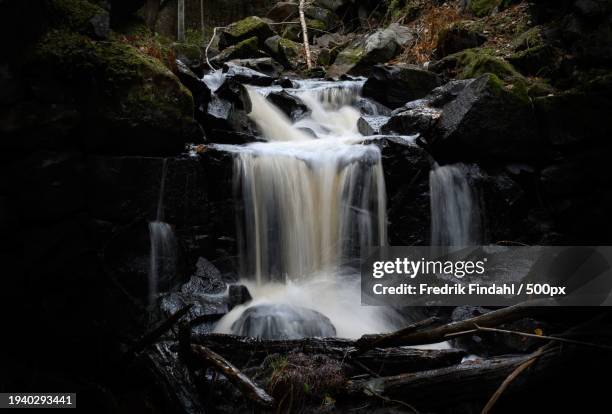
(316, 25)
(244, 26)
(72, 14)
(529, 39)
(475, 62)
(482, 8)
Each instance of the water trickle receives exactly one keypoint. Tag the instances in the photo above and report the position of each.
(455, 211)
(312, 202)
(162, 258)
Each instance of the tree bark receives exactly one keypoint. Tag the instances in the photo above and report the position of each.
(305, 34)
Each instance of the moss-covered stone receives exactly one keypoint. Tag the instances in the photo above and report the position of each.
(80, 16)
(482, 8)
(472, 63)
(245, 49)
(247, 28)
(128, 97)
(188, 53)
(457, 37)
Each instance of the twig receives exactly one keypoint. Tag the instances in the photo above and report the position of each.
(545, 337)
(150, 336)
(212, 38)
(513, 375)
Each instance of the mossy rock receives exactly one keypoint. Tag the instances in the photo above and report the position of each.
(328, 19)
(245, 49)
(482, 8)
(472, 63)
(80, 16)
(247, 28)
(291, 52)
(294, 31)
(188, 53)
(132, 102)
(531, 38)
(538, 61)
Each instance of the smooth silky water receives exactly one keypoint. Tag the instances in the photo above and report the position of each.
(313, 198)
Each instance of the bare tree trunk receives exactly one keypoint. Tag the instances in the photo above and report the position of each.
(305, 35)
(181, 21)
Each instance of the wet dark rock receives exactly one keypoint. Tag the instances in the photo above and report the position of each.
(238, 295)
(191, 55)
(370, 124)
(491, 344)
(249, 27)
(393, 86)
(207, 279)
(457, 38)
(281, 321)
(418, 120)
(198, 89)
(292, 106)
(265, 65)
(379, 47)
(407, 167)
(485, 122)
(329, 18)
(245, 75)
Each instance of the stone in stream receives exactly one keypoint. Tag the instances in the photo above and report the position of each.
(238, 295)
(292, 106)
(395, 85)
(266, 65)
(246, 49)
(281, 321)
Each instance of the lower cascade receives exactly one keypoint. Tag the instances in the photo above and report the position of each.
(313, 199)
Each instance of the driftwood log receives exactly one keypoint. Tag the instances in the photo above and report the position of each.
(469, 381)
(242, 351)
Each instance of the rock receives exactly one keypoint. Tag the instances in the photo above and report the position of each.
(80, 16)
(371, 124)
(266, 65)
(537, 61)
(280, 321)
(482, 8)
(327, 17)
(192, 82)
(283, 11)
(191, 55)
(245, 75)
(379, 47)
(418, 120)
(286, 51)
(247, 28)
(472, 63)
(457, 38)
(327, 56)
(246, 49)
(207, 279)
(406, 170)
(238, 295)
(293, 107)
(486, 121)
(132, 103)
(446, 93)
(491, 344)
(395, 85)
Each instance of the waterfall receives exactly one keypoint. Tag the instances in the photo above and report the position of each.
(313, 198)
(162, 257)
(455, 212)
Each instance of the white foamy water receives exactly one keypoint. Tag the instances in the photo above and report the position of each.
(313, 199)
(455, 211)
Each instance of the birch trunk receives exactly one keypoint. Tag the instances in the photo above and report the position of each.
(305, 35)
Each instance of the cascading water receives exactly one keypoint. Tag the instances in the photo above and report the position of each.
(314, 198)
(455, 212)
(163, 244)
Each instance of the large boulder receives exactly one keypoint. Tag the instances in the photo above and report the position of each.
(471, 63)
(245, 49)
(395, 85)
(280, 321)
(379, 47)
(130, 101)
(286, 51)
(265, 65)
(487, 121)
(252, 26)
(283, 11)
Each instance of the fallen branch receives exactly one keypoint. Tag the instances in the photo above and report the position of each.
(525, 365)
(151, 336)
(469, 380)
(367, 342)
(249, 389)
(409, 336)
